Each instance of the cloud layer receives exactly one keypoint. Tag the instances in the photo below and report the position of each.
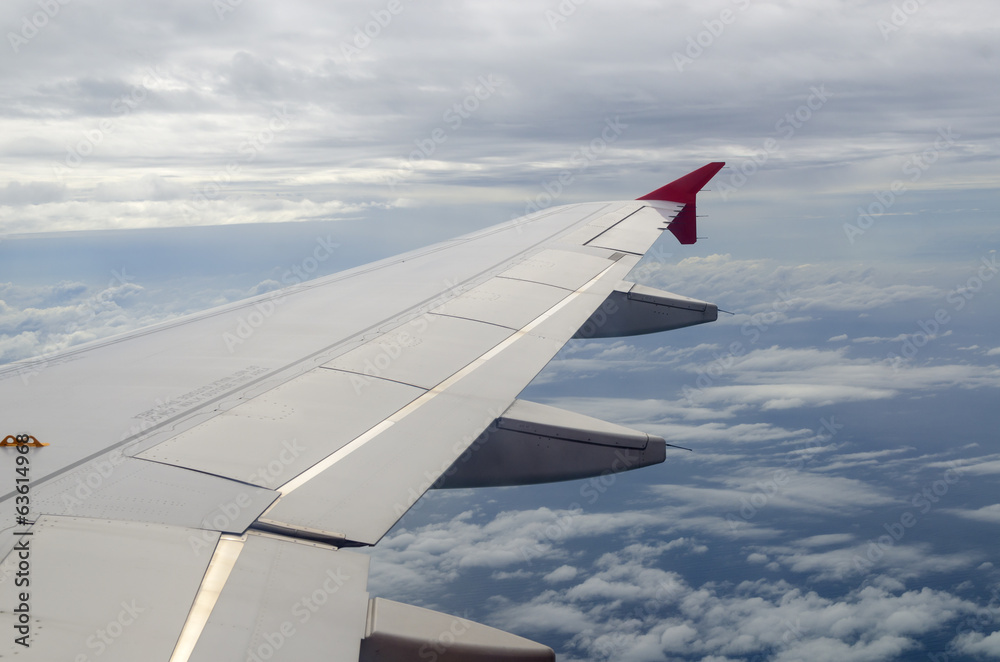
(205, 113)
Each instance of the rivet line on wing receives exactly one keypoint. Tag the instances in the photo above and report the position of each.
(373, 432)
(227, 551)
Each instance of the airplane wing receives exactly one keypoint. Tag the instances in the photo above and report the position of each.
(204, 480)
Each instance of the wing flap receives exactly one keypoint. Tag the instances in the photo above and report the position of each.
(287, 600)
(359, 496)
(271, 439)
(105, 589)
(423, 352)
(131, 489)
(560, 268)
(503, 301)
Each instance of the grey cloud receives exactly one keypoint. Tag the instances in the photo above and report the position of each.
(32, 193)
(978, 644)
(990, 514)
(220, 73)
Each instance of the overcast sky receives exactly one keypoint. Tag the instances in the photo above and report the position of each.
(120, 114)
(859, 202)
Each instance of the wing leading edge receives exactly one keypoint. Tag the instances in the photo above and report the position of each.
(353, 395)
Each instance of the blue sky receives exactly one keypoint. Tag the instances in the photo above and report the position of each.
(164, 159)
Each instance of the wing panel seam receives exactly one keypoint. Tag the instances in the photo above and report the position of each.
(227, 552)
(608, 229)
(374, 431)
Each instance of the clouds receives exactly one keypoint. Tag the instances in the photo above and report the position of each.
(856, 561)
(106, 94)
(720, 385)
(989, 514)
(624, 604)
(784, 488)
(66, 314)
(772, 287)
(36, 320)
(975, 643)
(563, 573)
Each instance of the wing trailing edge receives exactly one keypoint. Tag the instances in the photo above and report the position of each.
(684, 190)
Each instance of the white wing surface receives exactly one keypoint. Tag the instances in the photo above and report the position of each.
(204, 476)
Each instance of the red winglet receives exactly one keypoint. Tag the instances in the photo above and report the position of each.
(684, 190)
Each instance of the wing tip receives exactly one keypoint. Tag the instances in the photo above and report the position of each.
(685, 190)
